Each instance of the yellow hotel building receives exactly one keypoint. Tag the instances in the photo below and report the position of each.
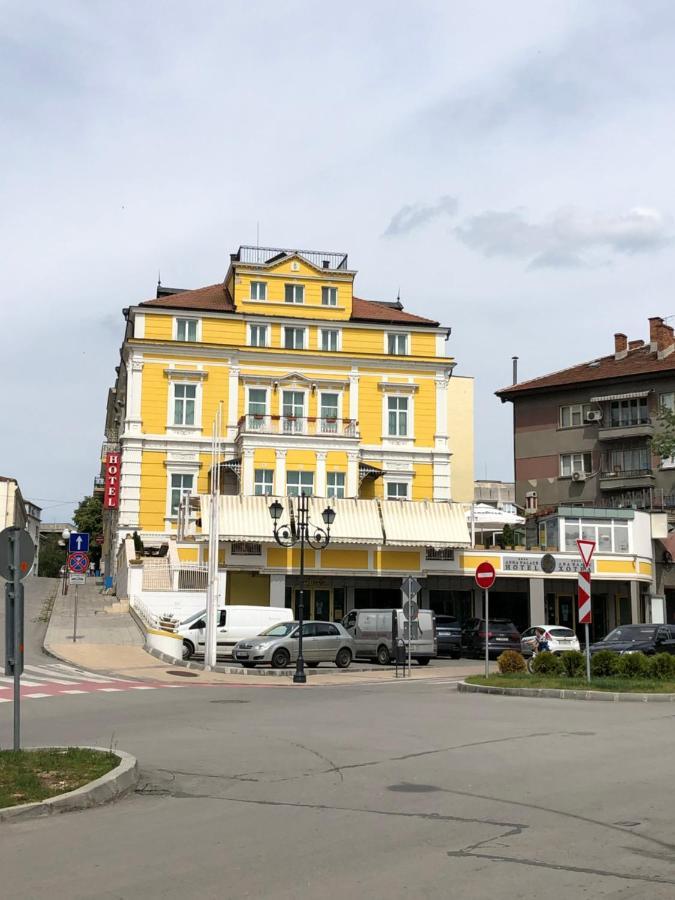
(350, 400)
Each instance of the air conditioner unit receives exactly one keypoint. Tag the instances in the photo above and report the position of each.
(593, 415)
(578, 476)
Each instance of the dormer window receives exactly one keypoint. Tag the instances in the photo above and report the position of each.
(186, 330)
(397, 344)
(258, 290)
(294, 293)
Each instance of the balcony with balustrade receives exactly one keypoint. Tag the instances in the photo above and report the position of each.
(312, 426)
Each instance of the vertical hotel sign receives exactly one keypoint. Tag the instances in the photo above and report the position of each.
(112, 481)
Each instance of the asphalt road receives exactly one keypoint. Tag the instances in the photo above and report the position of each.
(38, 592)
(382, 791)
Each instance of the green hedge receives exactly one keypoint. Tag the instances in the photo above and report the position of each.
(511, 662)
(604, 664)
(573, 663)
(546, 663)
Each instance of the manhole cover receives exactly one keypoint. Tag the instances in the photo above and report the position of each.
(413, 788)
(182, 673)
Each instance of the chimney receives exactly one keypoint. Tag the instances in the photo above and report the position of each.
(514, 360)
(620, 346)
(665, 341)
(633, 345)
(655, 324)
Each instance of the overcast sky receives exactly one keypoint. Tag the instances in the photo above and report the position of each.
(508, 166)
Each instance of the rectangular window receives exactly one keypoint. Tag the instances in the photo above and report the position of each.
(397, 408)
(621, 539)
(299, 483)
(336, 484)
(180, 485)
(186, 329)
(329, 338)
(257, 408)
(573, 416)
(184, 400)
(294, 338)
(397, 490)
(628, 459)
(258, 335)
(667, 401)
(293, 412)
(624, 413)
(571, 535)
(328, 296)
(328, 422)
(258, 290)
(294, 293)
(397, 344)
(575, 462)
(263, 482)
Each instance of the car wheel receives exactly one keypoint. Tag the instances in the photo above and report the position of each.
(280, 658)
(423, 660)
(383, 655)
(311, 665)
(188, 649)
(344, 658)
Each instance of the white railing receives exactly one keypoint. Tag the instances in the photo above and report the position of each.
(287, 424)
(149, 618)
(160, 575)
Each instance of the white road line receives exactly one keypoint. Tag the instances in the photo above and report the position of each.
(5, 700)
(73, 692)
(110, 690)
(33, 696)
(83, 674)
(142, 687)
(25, 683)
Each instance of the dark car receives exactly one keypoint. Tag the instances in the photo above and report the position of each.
(449, 634)
(648, 639)
(502, 635)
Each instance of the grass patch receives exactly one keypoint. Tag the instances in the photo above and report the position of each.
(28, 776)
(625, 685)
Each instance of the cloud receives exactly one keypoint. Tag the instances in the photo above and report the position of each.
(415, 215)
(568, 237)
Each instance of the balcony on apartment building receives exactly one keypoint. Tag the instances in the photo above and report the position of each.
(623, 417)
(315, 426)
(626, 468)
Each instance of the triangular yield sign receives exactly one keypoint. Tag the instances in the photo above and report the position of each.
(586, 549)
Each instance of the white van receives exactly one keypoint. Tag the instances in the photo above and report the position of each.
(234, 624)
(375, 630)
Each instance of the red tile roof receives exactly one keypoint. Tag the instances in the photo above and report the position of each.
(215, 297)
(640, 361)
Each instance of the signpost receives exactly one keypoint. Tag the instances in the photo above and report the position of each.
(78, 566)
(586, 549)
(17, 553)
(410, 587)
(485, 577)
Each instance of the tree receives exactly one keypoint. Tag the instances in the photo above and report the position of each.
(52, 557)
(663, 442)
(89, 517)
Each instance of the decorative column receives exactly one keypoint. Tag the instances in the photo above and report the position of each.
(280, 473)
(133, 421)
(441, 454)
(277, 590)
(352, 489)
(354, 394)
(232, 402)
(321, 473)
(247, 466)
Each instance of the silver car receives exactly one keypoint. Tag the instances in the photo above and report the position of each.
(278, 645)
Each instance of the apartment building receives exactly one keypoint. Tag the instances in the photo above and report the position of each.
(348, 400)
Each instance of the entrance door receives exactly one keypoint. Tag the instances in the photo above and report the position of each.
(559, 610)
(322, 605)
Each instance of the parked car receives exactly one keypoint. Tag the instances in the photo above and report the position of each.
(278, 645)
(647, 639)
(502, 635)
(449, 634)
(234, 624)
(375, 631)
(559, 639)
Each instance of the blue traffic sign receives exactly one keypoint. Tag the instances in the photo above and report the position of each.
(79, 542)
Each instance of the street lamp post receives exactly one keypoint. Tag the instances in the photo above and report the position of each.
(300, 530)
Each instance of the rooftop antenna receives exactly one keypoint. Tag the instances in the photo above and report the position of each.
(159, 278)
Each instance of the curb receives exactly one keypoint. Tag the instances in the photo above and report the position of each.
(106, 789)
(560, 694)
(240, 670)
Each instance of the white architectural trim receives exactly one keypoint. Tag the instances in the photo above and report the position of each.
(320, 486)
(232, 401)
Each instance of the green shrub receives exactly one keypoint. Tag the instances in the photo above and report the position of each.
(547, 664)
(633, 665)
(573, 663)
(510, 662)
(662, 666)
(604, 664)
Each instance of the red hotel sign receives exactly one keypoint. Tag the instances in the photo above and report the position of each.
(112, 481)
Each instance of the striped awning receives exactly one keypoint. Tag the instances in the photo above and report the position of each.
(424, 523)
(634, 395)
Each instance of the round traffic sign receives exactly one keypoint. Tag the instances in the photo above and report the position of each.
(411, 610)
(485, 575)
(78, 563)
(26, 553)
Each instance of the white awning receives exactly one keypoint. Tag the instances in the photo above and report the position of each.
(491, 518)
(356, 521)
(634, 395)
(240, 518)
(424, 523)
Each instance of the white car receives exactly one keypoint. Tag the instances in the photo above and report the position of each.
(235, 623)
(559, 638)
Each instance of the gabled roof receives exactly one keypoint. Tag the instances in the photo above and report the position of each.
(638, 362)
(372, 311)
(214, 297)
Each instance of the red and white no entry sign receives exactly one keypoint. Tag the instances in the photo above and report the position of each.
(485, 575)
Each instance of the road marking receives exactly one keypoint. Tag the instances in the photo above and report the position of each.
(5, 700)
(73, 692)
(144, 687)
(110, 690)
(33, 696)
(24, 683)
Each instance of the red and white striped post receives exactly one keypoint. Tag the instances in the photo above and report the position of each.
(586, 549)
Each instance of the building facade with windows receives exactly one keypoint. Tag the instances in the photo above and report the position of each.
(347, 400)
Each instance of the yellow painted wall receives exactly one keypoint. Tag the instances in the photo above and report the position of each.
(423, 482)
(397, 560)
(231, 332)
(153, 491)
(344, 559)
(188, 554)
(282, 558)
(158, 327)
(154, 397)
(617, 566)
(247, 589)
(460, 429)
(645, 568)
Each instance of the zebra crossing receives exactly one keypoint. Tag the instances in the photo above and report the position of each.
(58, 679)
